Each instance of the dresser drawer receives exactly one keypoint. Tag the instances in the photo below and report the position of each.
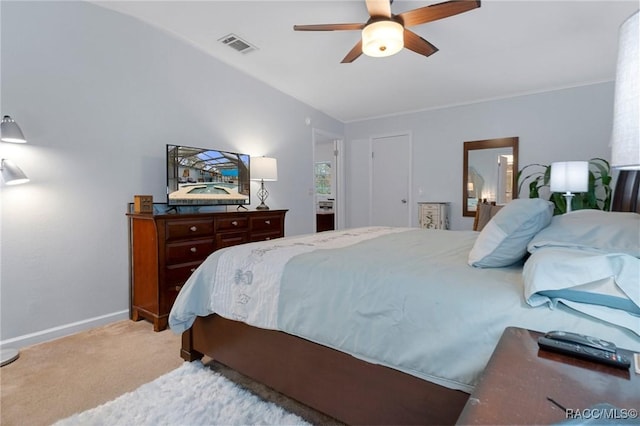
(178, 274)
(264, 236)
(188, 228)
(228, 239)
(430, 208)
(188, 251)
(266, 224)
(170, 295)
(232, 223)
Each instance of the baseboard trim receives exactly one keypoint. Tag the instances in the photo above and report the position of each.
(63, 330)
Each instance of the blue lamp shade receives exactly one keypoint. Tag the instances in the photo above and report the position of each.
(11, 173)
(625, 139)
(11, 131)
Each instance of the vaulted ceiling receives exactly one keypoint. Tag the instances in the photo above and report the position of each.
(504, 48)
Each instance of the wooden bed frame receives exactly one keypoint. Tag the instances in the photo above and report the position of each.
(350, 390)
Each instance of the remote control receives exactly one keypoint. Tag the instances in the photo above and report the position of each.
(585, 352)
(581, 339)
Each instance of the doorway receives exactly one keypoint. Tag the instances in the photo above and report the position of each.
(328, 197)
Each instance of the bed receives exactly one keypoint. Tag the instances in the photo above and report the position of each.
(384, 325)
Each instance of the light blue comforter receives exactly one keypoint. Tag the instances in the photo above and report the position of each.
(414, 304)
(407, 300)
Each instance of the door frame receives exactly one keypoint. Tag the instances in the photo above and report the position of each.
(319, 136)
(409, 135)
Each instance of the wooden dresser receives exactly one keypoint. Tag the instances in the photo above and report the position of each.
(165, 249)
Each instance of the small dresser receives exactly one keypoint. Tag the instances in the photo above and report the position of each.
(433, 215)
(165, 249)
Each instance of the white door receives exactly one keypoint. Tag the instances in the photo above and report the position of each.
(391, 180)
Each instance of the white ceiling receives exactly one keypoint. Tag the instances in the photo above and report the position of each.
(502, 49)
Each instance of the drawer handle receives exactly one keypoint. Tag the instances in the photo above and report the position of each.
(193, 228)
(267, 238)
(193, 269)
(268, 222)
(193, 249)
(234, 223)
(178, 288)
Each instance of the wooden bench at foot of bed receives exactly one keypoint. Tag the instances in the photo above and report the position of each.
(350, 390)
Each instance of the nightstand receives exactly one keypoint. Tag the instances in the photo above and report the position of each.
(519, 379)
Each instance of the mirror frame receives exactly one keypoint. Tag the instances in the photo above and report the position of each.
(488, 144)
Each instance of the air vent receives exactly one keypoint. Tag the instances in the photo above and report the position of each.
(237, 43)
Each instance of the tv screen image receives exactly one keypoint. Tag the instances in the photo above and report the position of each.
(206, 177)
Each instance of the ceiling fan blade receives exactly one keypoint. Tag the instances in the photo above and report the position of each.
(413, 41)
(380, 8)
(353, 54)
(434, 12)
(328, 27)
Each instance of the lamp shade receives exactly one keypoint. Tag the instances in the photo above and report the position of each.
(625, 138)
(264, 168)
(11, 131)
(382, 38)
(11, 173)
(570, 176)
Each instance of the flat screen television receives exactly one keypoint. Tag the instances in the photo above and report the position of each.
(206, 177)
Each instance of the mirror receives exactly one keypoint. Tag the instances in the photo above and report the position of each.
(489, 173)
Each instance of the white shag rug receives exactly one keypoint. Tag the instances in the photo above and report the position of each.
(193, 395)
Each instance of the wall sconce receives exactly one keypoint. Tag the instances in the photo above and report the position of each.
(263, 169)
(569, 177)
(625, 139)
(11, 132)
(11, 173)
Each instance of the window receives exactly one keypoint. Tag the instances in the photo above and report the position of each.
(323, 177)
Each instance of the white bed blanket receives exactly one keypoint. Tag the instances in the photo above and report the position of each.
(225, 284)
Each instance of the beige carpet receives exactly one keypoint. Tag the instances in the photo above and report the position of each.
(56, 379)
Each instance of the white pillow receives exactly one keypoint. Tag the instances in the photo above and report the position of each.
(610, 232)
(503, 241)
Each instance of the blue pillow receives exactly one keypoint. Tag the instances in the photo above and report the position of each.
(503, 241)
(609, 232)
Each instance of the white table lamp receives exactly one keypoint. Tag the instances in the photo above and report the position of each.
(569, 177)
(625, 138)
(263, 169)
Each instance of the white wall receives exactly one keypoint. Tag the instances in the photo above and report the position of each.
(98, 95)
(570, 124)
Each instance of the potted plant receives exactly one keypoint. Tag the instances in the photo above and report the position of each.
(598, 195)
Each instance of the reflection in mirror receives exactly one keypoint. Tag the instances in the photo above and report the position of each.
(489, 173)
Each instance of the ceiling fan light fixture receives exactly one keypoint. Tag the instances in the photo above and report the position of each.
(382, 38)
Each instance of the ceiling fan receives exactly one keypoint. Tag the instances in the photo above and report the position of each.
(385, 34)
